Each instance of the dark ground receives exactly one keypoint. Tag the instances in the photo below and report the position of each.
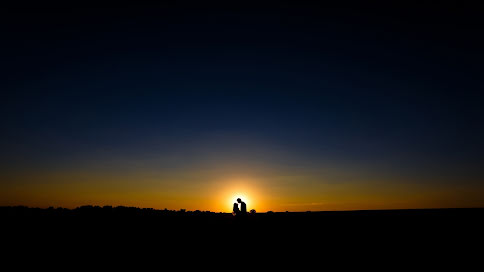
(146, 232)
(130, 239)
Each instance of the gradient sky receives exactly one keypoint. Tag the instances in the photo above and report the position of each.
(292, 107)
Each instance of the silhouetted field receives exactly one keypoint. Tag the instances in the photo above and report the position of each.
(92, 218)
(104, 230)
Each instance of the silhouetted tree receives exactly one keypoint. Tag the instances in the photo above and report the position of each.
(252, 211)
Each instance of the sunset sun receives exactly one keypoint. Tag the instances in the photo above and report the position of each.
(244, 197)
(245, 190)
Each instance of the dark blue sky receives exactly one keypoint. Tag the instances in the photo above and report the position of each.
(391, 89)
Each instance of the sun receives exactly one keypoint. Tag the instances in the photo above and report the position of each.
(243, 197)
(245, 189)
(249, 197)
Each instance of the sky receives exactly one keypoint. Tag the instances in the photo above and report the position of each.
(292, 107)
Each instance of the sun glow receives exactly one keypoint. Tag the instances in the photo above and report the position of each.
(243, 197)
(243, 191)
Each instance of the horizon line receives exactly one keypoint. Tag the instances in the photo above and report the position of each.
(208, 211)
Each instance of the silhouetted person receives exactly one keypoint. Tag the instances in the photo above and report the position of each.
(236, 210)
(243, 207)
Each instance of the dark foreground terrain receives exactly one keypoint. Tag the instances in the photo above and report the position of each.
(127, 232)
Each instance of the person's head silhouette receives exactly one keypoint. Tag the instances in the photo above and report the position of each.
(239, 200)
(236, 208)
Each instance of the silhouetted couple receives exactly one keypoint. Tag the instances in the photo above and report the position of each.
(243, 208)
